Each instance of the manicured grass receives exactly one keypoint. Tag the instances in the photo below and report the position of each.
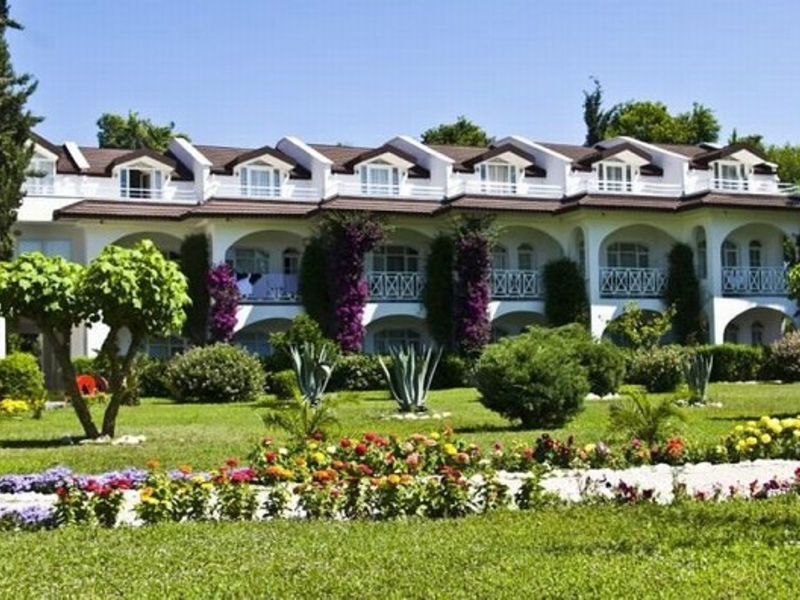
(728, 550)
(205, 435)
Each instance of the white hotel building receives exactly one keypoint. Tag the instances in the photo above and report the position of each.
(616, 209)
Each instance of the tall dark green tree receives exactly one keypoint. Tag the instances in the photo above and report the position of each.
(16, 125)
(594, 116)
(461, 133)
(438, 294)
(134, 132)
(195, 261)
(683, 294)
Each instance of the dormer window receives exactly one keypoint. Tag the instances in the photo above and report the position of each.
(41, 176)
(381, 179)
(260, 180)
(141, 182)
(730, 175)
(614, 176)
(498, 177)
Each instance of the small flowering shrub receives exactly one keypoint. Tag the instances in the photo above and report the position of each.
(225, 295)
(769, 437)
(658, 368)
(13, 408)
(91, 501)
(29, 518)
(216, 373)
(784, 358)
(236, 498)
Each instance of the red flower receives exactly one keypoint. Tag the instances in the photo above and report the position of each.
(318, 436)
(361, 449)
(232, 462)
(92, 486)
(270, 456)
(61, 492)
(498, 446)
(365, 469)
(370, 436)
(528, 453)
(345, 443)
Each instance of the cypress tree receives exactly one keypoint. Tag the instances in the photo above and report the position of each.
(16, 124)
(683, 294)
(195, 262)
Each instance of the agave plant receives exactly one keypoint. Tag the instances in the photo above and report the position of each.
(313, 368)
(636, 416)
(411, 375)
(697, 370)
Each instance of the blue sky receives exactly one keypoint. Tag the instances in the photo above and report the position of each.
(360, 72)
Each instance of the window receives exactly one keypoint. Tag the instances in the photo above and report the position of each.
(380, 179)
(260, 181)
(730, 176)
(731, 335)
(248, 260)
(41, 177)
(702, 260)
(525, 258)
(499, 258)
(614, 177)
(389, 338)
(140, 183)
(757, 334)
(501, 174)
(582, 256)
(395, 259)
(62, 248)
(291, 261)
(628, 255)
(255, 342)
(754, 253)
(164, 348)
(730, 254)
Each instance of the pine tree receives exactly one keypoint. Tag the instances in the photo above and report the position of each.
(16, 123)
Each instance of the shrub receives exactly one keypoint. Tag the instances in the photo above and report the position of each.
(565, 299)
(21, 378)
(541, 385)
(85, 365)
(283, 384)
(735, 362)
(635, 416)
(658, 369)
(683, 292)
(216, 373)
(153, 381)
(303, 330)
(784, 360)
(316, 298)
(454, 371)
(357, 372)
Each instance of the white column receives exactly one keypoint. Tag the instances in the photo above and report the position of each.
(716, 325)
(598, 317)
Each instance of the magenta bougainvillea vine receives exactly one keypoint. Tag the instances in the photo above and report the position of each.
(347, 238)
(473, 269)
(224, 292)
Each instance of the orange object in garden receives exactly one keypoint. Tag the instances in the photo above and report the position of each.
(86, 385)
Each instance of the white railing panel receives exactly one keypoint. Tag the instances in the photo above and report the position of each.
(288, 191)
(267, 287)
(624, 282)
(498, 188)
(754, 281)
(516, 284)
(405, 190)
(402, 285)
(647, 188)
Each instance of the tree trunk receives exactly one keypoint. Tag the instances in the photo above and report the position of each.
(118, 380)
(61, 351)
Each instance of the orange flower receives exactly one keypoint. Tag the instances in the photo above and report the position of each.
(185, 469)
(153, 464)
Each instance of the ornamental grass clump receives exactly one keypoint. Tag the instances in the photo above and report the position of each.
(635, 416)
(409, 375)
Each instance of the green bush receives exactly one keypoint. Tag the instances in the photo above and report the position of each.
(454, 371)
(657, 368)
(565, 298)
(358, 372)
(152, 375)
(283, 384)
(21, 378)
(735, 362)
(303, 330)
(784, 358)
(84, 365)
(216, 373)
(541, 385)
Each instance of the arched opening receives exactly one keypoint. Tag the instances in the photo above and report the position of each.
(395, 331)
(267, 266)
(700, 252)
(255, 337)
(753, 261)
(517, 263)
(757, 326)
(169, 245)
(633, 262)
(514, 323)
(396, 268)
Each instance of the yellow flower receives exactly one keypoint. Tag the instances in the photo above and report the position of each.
(313, 446)
(589, 448)
(435, 436)
(198, 479)
(450, 449)
(207, 486)
(318, 457)
(766, 438)
(796, 433)
(393, 479)
(738, 429)
(741, 446)
(751, 441)
(751, 423)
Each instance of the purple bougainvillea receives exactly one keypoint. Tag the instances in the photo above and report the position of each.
(473, 266)
(224, 292)
(348, 237)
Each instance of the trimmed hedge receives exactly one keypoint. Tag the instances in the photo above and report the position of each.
(216, 373)
(736, 362)
(358, 372)
(283, 384)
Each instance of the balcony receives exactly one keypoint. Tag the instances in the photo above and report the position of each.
(752, 186)
(110, 189)
(638, 187)
(404, 190)
(395, 286)
(754, 281)
(288, 191)
(625, 282)
(497, 188)
(267, 287)
(516, 285)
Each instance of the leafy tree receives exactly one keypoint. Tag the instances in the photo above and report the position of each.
(641, 329)
(754, 140)
(16, 123)
(134, 132)
(594, 116)
(461, 133)
(316, 298)
(134, 290)
(650, 121)
(565, 299)
(787, 157)
(683, 292)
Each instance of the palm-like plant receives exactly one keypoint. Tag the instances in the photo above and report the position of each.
(636, 416)
(301, 420)
(411, 375)
(313, 367)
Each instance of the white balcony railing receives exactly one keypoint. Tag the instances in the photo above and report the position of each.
(498, 188)
(405, 190)
(754, 281)
(110, 189)
(288, 191)
(646, 188)
(403, 285)
(624, 282)
(267, 287)
(516, 284)
(39, 188)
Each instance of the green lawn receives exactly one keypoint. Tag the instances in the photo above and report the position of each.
(205, 435)
(730, 550)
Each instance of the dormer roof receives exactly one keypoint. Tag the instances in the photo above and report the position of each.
(142, 153)
(223, 159)
(346, 158)
(601, 153)
(740, 151)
